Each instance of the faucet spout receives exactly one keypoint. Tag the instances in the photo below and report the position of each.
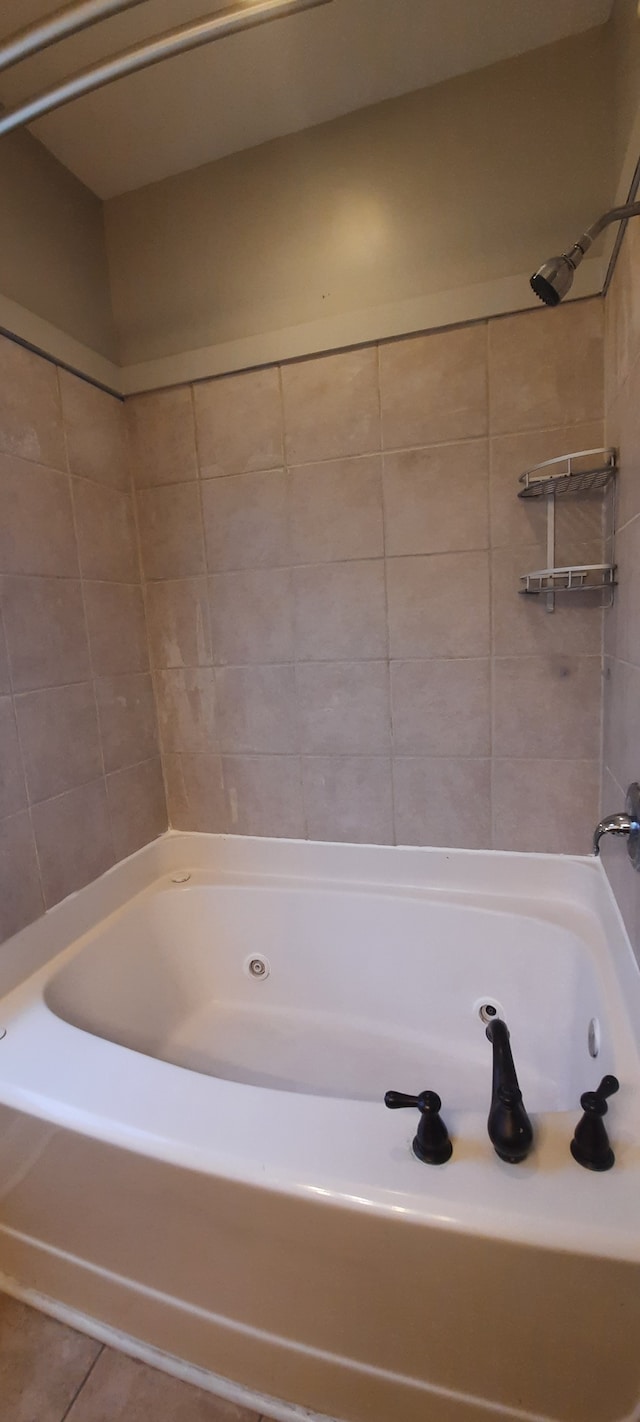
(510, 1130)
(612, 824)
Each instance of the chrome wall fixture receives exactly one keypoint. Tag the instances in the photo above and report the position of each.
(56, 26)
(232, 20)
(554, 278)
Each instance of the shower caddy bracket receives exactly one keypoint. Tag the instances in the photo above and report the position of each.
(585, 471)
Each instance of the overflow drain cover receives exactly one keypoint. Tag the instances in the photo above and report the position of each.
(257, 966)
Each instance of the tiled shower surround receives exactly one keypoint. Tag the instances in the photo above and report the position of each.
(622, 624)
(80, 775)
(328, 616)
(331, 552)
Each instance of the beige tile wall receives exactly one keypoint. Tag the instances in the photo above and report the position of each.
(331, 554)
(621, 739)
(80, 775)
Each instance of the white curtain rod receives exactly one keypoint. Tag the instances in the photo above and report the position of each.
(141, 56)
(56, 26)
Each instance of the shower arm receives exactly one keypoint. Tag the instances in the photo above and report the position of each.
(615, 214)
(231, 20)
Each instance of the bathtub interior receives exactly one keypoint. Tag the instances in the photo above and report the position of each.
(364, 991)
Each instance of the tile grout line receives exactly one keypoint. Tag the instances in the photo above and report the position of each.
(74, 1399)
(529, 431)
(383, 452)
(92, 675)
(492, 657)
(216, 748)
(143, 596)
(287, 468)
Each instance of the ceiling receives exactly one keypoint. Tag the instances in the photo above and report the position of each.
(279, 79)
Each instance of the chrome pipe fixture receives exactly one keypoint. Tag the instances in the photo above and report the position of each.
(68, 20)
(230, 21)
(626, 825)
(553, 279)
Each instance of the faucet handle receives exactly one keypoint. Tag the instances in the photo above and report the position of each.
(395, 1099)
(431, 1142)
(590, 1145)
(596, 1101)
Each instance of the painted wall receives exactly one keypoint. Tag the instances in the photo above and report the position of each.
(53, 262)
(331, 553)
(418, 212)
(621, 758)
(80, 778)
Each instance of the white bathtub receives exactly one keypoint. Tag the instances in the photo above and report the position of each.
(200, 1159)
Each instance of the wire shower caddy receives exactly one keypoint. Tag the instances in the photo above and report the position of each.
(585, 471)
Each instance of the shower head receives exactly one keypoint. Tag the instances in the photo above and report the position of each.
(553, 279)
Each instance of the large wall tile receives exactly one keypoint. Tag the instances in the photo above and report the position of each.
(117, 633)
(161, 436)
(12, 788)
(433, 388)
(437, 500)
(246, 522)
(252, 616)
(30, 413)
(439, 605)
(625, 622)
(340, 611)
(195, 793)
(621, 733)
(547, 706)
(442, 707)
(94, 425)
(336, 510)
(186, 709)
(178, 623)
(171, 536)
(128, 727)
(137, 806)
(59, 738)
(257, 709)
(331, 406)
(46, 633)
(21, 898)
(239, 423)
(264, 795)
(623, 431)
(344, 707)
(546, 367)
(349, 798)
(73, 837)
(443, 802)
(36, 530)
(107, 542)
(545, 806)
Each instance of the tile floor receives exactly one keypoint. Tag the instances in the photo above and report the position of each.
(50, 1373)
